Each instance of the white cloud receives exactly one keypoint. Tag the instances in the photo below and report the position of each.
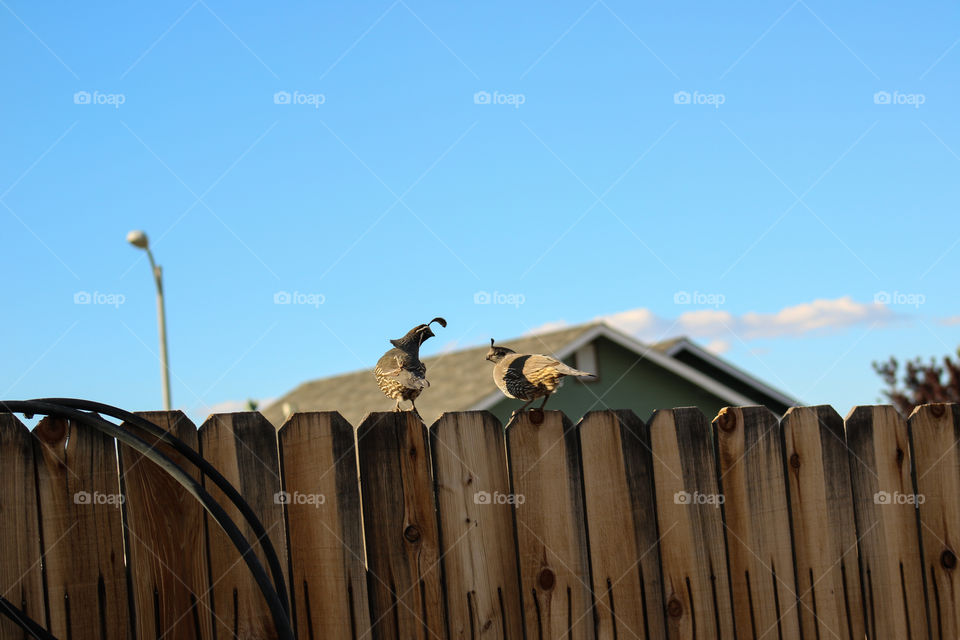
(952, 321)
(808, 318)
(718, 346)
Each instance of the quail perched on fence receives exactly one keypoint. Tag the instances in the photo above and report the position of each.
(400, 373)
(528, 376)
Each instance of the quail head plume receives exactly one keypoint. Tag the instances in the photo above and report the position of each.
(400, 373)
(528, 376)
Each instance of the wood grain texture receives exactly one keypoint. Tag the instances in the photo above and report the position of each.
(891, 566)
(750, 456)
(551, 532)
(935, 432)
(164, 528)
(328, 575)
(80, 501)
(21, 581)
(621, 520)
(399, 515)
(696, 586)
(476, 526)
(243, 448)
(824, 529)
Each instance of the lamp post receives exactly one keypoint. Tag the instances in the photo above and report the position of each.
(139, 240)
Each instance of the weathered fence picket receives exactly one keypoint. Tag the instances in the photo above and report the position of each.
(328, 581)
(243, 448)
(696, 586)
(824, 530)
(77, 485)
(166, 539)
(810, 526)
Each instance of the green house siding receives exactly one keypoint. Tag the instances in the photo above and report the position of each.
(627, 381)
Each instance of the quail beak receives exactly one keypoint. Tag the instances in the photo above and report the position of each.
(427, 333)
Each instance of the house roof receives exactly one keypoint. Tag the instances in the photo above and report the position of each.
(460, 381)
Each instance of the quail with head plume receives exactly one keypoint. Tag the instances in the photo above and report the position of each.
(528, 376)
(400, 373)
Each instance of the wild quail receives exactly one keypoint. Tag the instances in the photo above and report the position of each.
(528, 376)
(400, 373)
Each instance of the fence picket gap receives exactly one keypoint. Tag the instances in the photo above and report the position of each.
(400, 523)
(824, 531)
(328, 577)
(476, 526)
(891, 569)
(621, 518)
(696, 586)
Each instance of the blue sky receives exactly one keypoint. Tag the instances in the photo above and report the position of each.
(785, 165)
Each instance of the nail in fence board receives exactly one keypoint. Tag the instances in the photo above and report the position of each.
(750, 455)
(328, 577)
(620, 508)
(476, 526)
(891, 567)
(935, 431)
(20, 574)
(243, 448)
(824, 531)
(400, 522)
(551, 533)
(80, 502)
(166, 539)
(696, 587)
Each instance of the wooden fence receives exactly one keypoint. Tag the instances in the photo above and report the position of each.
(747, 527)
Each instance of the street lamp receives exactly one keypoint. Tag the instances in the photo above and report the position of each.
(139, 240)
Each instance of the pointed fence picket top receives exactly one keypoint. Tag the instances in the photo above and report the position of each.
(621, 520)
(243, 448)
(79, 497)
(613, 528)
(166, 538)
(318, 461)
(544, 460)
(750, 459)
(891, 568)
(824, 530)
(400, 524)
(935, 432)
(21, 580)
(476, 514)
(696, 586)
